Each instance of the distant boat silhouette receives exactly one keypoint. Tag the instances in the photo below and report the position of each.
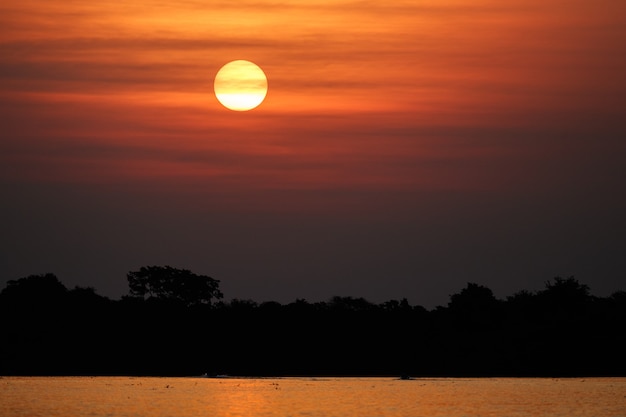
(207, 375)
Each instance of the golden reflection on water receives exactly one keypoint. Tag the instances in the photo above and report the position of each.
(311, 397)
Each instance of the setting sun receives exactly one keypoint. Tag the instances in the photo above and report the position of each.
(240, 85)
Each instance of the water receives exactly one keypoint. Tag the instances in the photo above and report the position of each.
(311, 397)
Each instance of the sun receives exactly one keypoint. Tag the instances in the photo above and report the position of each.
(240, 85)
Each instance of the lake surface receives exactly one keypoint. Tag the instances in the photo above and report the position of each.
(311, 397)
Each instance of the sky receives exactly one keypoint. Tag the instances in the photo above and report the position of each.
(404, 148)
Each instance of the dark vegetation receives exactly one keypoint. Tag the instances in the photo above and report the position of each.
(173, 323)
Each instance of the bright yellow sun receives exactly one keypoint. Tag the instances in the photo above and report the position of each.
(240, 85)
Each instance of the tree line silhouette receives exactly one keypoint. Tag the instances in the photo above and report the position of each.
(174, 322)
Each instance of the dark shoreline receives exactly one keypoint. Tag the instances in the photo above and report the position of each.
(560, 332)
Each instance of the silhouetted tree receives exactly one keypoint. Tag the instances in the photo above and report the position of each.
(86, 297)
(565, 300)
(171, 284)
(522, 297)
(243, 304)
(34, 290)
(472, 298)
(270, 306)
(566, 292)
(560, 330)
(338, 303)
(619, 299)
(395, 305)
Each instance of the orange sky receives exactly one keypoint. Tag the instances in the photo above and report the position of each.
(373, 108)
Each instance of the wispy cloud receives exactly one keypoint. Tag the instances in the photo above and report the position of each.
(403, 95)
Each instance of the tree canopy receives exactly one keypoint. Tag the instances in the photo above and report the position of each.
(561, 330)
(34, 289)
(172, 284)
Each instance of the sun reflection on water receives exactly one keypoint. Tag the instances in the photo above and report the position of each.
(312, 397)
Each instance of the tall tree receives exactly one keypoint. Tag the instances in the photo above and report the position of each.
(167, 283)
